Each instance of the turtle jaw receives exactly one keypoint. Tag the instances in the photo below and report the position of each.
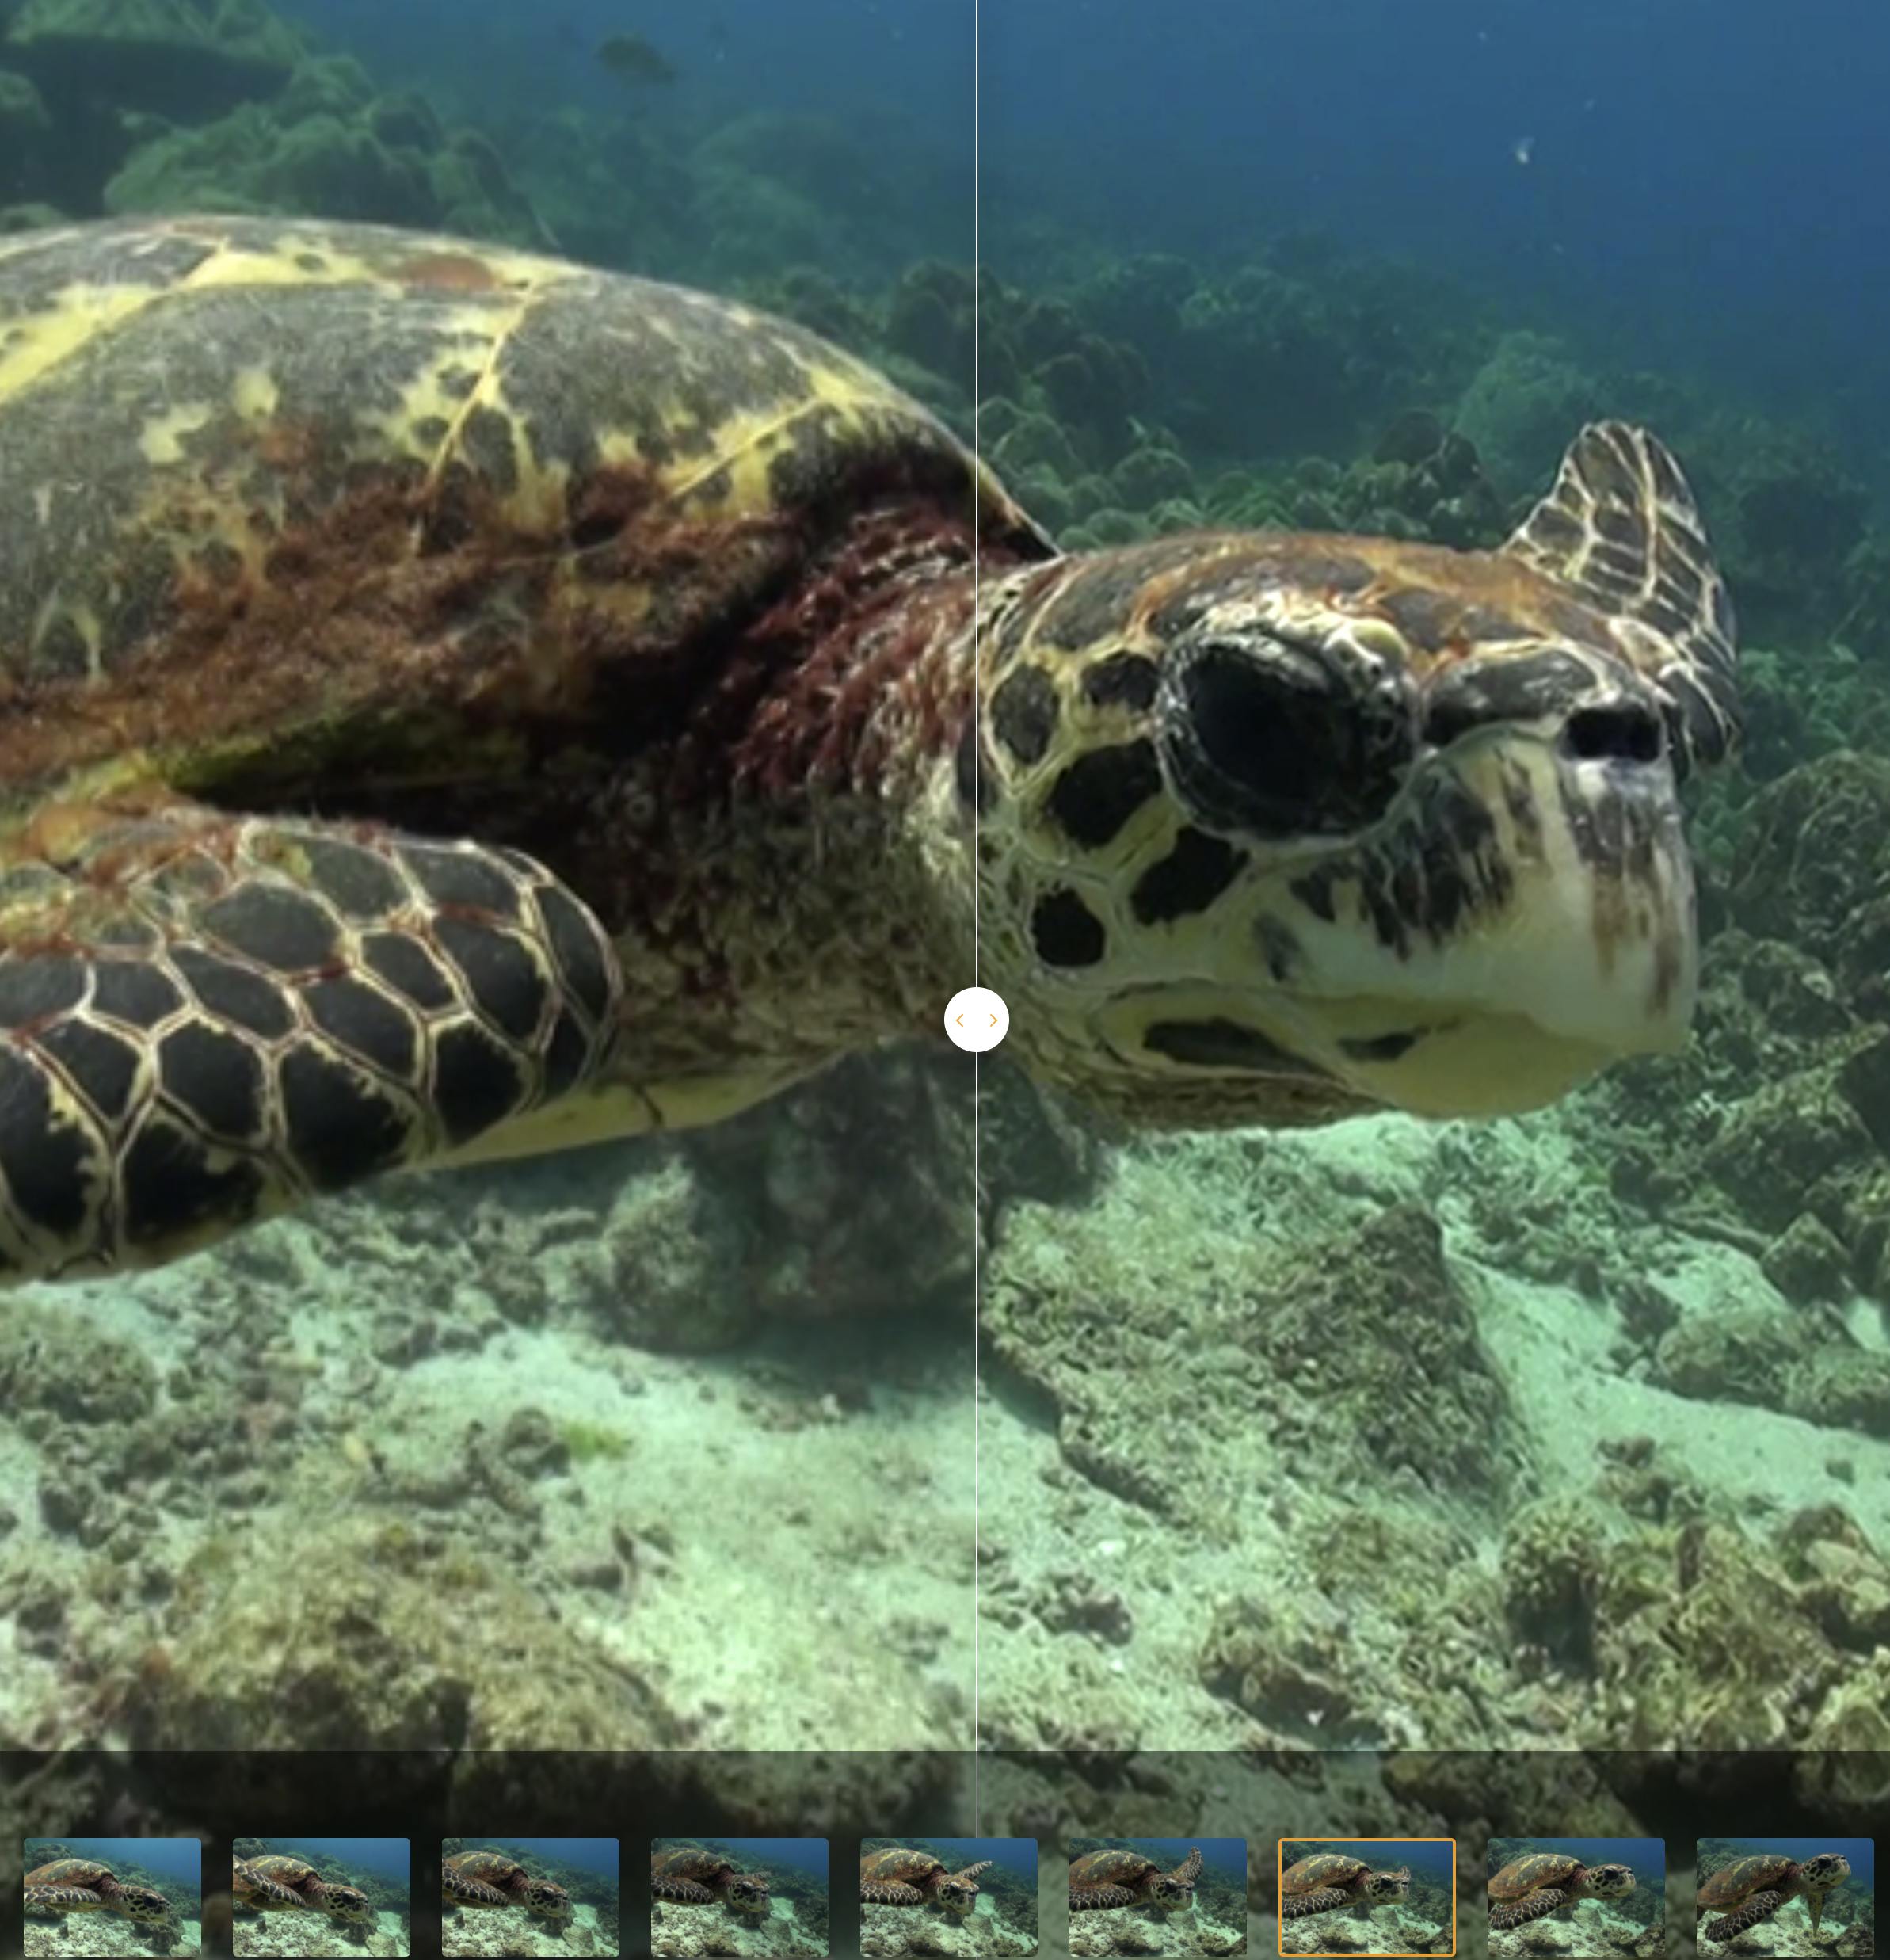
(1521, 917)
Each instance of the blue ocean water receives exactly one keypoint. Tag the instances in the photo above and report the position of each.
(1687, 174)
(1224, 1857)
(1011, 1853)
(1861, 1851)
(799, 1853)
(1428, 1858)
(389, 1858)
(1646, 1855)
(177, 1857)
(588, 1854)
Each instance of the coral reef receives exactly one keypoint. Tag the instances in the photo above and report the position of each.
(1569, 1431)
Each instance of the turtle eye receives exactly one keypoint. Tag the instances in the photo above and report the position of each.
(1275, 740)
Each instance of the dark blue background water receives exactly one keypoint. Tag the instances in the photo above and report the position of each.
(1427, 1859)
(799, 1853)
(1858, 1850)
(1701, 174)
(389, 1858)
(1701, 192)
(588, 1854)
(178, 1857)
(1012, 1854)
(1226, 1857)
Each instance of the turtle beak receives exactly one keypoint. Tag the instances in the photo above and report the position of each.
(1525, 917)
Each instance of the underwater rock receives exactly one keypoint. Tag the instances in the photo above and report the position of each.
(347, 1647)
(1520, 405)
(184, 61)
(1799, 517)
(328, 148)
(70, 1370)
(1816, 853)
(1807, 1262)
(1552, 1555)
(931, 319)
(26, 128)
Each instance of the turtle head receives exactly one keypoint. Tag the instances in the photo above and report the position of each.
(1383, 1886)
(1825, 1869)
(748, 1892)
(143, 1905)
(1610, 1882)
(547, 1897)
(1275, 828)
(347, 1902)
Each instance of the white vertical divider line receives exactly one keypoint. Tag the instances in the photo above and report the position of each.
(977, 1113)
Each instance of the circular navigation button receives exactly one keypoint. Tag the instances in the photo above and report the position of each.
(976, 1019)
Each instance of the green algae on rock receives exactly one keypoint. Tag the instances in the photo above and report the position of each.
(184, 61)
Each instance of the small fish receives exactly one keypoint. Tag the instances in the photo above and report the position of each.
(1524, 150)
(633, 61)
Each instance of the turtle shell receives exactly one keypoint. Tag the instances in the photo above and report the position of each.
(901, 1865)
(70, 1871)
(689, 1861)
(1744, 1876)
(1322, 1869)
(289, 1871)
(1111, 1867)
(289, 504)
(489, 1867)
(1531, 1873)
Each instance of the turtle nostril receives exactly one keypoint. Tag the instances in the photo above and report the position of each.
(1615, 731)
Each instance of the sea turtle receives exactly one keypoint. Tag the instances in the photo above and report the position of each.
(688, 1875)
(456, 703)
(1758, 1886)
(898, 1877)
(277, 1884)
(1103, 1879)
(1541, 1882)
(490, 1879)
(82, 1884)
(1328, 1880)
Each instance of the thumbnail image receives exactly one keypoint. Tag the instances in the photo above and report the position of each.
(1172, 1895)
(1787, 1896)
(983, 1890)
(1368, 1896)
(113, 1895)
(527, 1895)
(739, 1895)
(322, 1895)
(1578, 1898)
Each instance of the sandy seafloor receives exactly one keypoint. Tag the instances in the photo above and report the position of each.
(1383, 1929)
(1134, 1929)
(74, 1933)
(1788, 1936)
(682, 1932)
(773, 1547)
(509, 1930)
(1592, 1929)
(314, 1932)
(887, 1931)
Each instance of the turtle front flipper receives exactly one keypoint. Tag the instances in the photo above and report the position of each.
(887, 1892)
(461, 1890)
(1761, 1906)
(62, 1899)
(206, 1020)
(1522, 1912)
(1308, 1902)
(683, 1891)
